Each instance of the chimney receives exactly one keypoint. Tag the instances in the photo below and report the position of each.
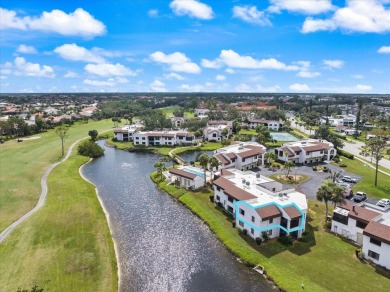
(353, 208)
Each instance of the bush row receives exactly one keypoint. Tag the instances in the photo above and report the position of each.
(345, 154)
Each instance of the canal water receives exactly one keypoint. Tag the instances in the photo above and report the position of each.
(162, 246)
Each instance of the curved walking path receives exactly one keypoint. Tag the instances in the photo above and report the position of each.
(42, 198)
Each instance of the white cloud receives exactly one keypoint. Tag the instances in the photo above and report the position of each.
(301, 6)
(157, 86)
(71, 74)
(220, 78)
(192, 88)
(230, 71)
(77, 23)
(250, 14)
(107, 69)
(192, 8)
(308, 74)
(358, 76)
(234, 60)
(153, 13)
(24, 49)
(178, 62)
(333, 64)
(384, 50)
(299, 87)
(174, 75)
(357, 16)
(363, 87)
(109, 82)
(244, 87)
(75, 53)
(211, 64)
(24, 68)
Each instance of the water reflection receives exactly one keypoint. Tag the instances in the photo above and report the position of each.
(162, 245)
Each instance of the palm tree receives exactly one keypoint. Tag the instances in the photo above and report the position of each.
(287, 167)
(160, 165)
(270, 156)
(330, 191)
(204, 160)
(214, 162)
(263, 134)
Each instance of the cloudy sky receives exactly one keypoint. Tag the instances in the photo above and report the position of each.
(189, 45)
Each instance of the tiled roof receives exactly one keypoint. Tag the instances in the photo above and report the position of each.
(182, 173)
(292, 212)
(378, 231)
(253, 147)
(317, 147)
(285, 149)
(362, 214)
(233, 191)
(231, 155)
(268, 212)
(249, 153)
(222, 158)
(225, 172)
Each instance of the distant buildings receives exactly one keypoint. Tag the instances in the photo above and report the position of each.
(126, 132)
(159, 138)
(261, 205)
(271, 125)
(216, 130)
(306, 151)
(243, 155)
(342, 120)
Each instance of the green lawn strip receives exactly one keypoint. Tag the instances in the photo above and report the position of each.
(66, 245)
(22, 166)
(312, 264)
(168, 111)
(366, 184)
(248, 132)
(299, 133)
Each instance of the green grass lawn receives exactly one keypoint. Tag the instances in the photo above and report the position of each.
(326, 263)
(66, 245)
(170, 109)
(366, 184)
(23, 164)
(247, 132)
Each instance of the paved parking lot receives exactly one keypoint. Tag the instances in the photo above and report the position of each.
(310, 187)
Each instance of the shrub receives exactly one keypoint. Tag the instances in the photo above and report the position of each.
(90, 149)
(245, 231)
(336, 159)
(325, 169)
(211, 197)
(328, 225)
(285, 240)
(265, 236)
(258, 240)
(314, 168)
(345, 154)
(234, 224)
(342, 165)
(220, 204)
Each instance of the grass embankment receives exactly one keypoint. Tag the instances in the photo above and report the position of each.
(168, 111)
(65, 246)
(23, 165)
(366, 184)
(325, 263)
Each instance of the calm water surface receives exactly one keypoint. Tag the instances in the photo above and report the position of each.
(162, 246)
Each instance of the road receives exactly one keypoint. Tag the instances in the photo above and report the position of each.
(353, 148)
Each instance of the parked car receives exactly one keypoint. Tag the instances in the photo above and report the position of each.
(360, 197)
(349, 179)
(384, 203)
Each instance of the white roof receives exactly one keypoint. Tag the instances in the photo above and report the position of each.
(264, 196)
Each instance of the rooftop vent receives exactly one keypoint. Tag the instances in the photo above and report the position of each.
(248, 183)
(243, 180)
(257, 175)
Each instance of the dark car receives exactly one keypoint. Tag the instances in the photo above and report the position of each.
(360, 197)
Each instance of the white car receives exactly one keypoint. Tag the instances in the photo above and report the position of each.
(384, 203)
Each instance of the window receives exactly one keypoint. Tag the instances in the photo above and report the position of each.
(340, 218)
(252, 231)
(255, 156)
(242, 212)
(270, 232)
(241, 223)
(375, 241)
(143, 138)
(214, 135)
(361, 225)
(218, 198)
(253, 219)
(230, 209)
(243, 160)
(271, 220)
(373, 254)
(218, 189)
(230, 199)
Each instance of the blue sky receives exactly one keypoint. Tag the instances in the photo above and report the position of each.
(188, 45)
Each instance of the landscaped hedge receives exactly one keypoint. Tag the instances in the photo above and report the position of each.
(345, 154)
